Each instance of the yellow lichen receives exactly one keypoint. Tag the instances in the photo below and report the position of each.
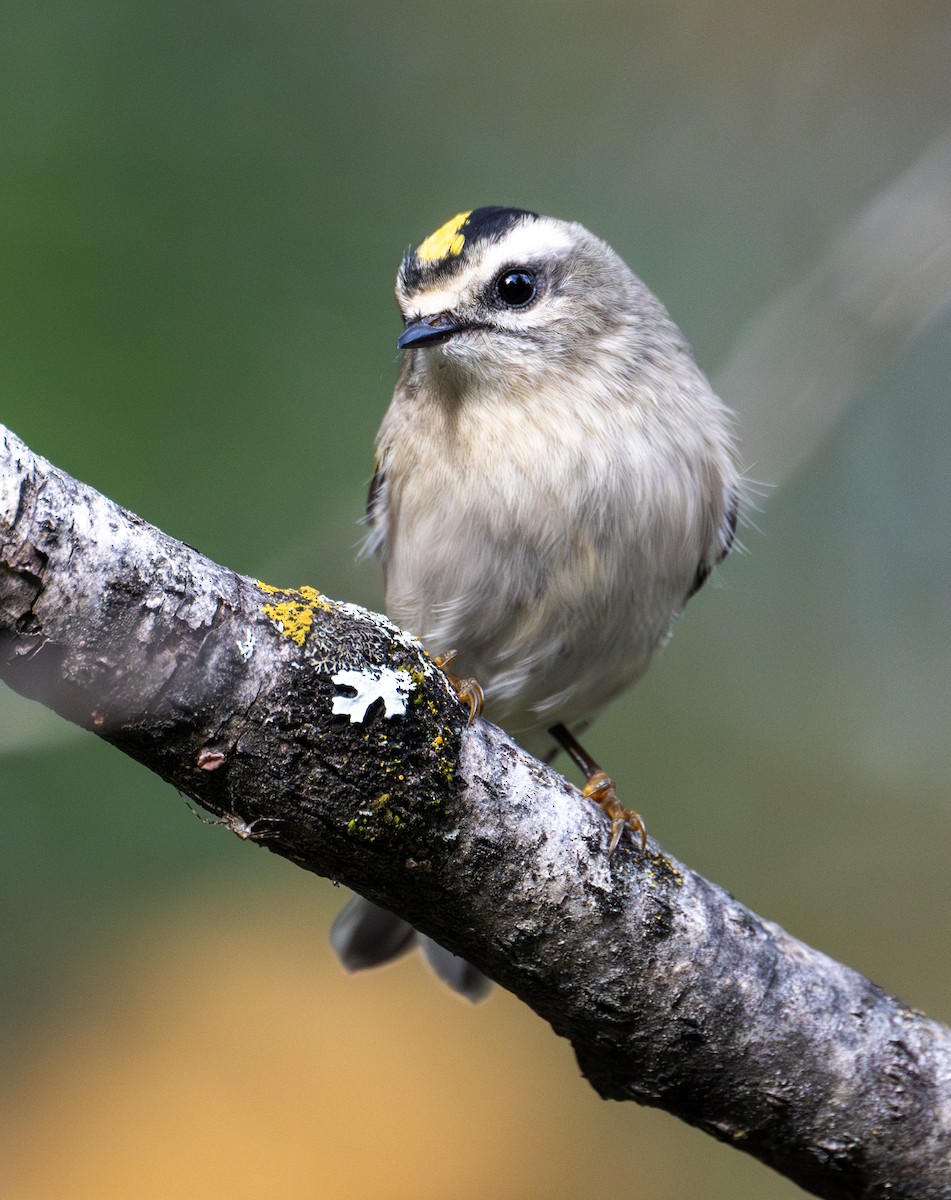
(294, 615)
(661, 870)
(292, 620)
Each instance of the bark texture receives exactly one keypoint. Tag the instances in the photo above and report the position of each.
(326, 734)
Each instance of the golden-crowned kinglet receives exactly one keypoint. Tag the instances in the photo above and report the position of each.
(555, 478)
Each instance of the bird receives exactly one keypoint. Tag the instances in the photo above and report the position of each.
(554, 479)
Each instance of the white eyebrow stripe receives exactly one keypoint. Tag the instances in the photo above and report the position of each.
(535, 239)
(541, 239)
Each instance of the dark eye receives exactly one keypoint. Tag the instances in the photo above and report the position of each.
(516, 288)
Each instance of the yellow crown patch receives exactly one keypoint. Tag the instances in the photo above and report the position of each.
(446, 241)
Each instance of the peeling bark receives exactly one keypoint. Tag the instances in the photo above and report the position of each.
(324, 733)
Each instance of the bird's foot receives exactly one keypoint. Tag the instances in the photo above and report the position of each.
(468, 690)
(600, 789)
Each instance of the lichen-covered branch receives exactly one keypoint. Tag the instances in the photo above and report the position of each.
(326, 734)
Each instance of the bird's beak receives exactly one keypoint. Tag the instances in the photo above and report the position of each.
(429, 331)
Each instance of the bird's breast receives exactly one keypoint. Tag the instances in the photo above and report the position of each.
(551, 557)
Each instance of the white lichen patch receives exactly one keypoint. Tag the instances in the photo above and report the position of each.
(246, 645)
(381, 683)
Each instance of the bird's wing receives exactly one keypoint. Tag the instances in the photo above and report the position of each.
(377, 514)
(727, 533)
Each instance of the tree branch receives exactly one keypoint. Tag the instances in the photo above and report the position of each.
(326, 734)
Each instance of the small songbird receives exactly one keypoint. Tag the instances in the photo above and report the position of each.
(554, 480)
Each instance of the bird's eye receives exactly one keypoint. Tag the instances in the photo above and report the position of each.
(516, 288)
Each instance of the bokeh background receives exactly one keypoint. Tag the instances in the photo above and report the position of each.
(203, 207)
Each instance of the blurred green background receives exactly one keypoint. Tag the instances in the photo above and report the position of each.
(203, 209)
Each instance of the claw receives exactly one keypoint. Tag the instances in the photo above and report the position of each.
(600, 789)
(468, 690)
